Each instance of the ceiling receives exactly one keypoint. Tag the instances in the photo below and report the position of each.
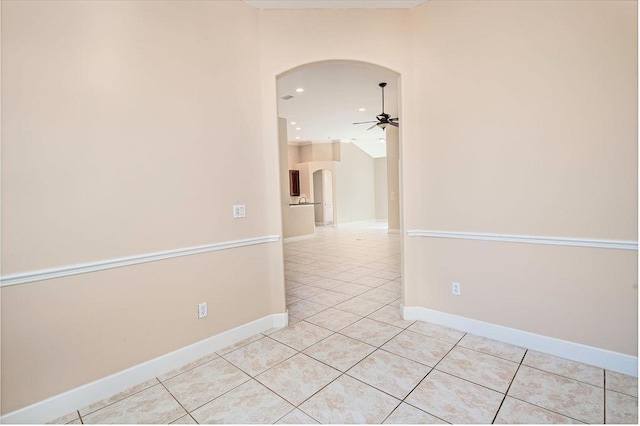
(334, 4)
(334, 91)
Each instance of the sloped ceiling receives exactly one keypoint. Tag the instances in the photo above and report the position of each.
(334, 92)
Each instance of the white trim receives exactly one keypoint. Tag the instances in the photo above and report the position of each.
(83, 268)
(356, 223)
(613, 361)
(59, 405)
(556, 241)
(299, 238)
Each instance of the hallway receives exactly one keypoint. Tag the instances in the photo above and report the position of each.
(348, 357)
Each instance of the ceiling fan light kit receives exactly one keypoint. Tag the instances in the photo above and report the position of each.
(383, 120)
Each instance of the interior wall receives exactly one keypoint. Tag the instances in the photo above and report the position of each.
(380, 178)
(112, 146)
(528, 115)
(355, 186)
(393, 178)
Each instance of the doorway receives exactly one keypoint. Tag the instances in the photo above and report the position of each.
(323, 195)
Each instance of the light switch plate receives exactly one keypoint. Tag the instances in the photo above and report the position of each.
(239, 211)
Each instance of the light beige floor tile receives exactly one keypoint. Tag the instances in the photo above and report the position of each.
(204, 383)
(363, 270)
(117, 397)
(329, 298)
(185, 420)
(302, 278)
(396, 303)
(418, 347)
(304, 291)
(346, 276)
(514, 411)
(301, 335)
(360, 306)
(372, 332)
(334, 319)
(455, 400)
(486, 370)
(63, 420)
(390, 315)
(188, 366)
(327, 283)
(153, 405)
(292, 320)
(564, 367)
(390, 373)
(370, 281)
(352, 289)
(565, 396)
(493, 347)
(406, 414)
(393, 286)
(339, 351)
(239, 344)
(296, 417)
(380, 296)
(259, 356)
(290, 300)
(437, 331)
(621, 408)
(297, 378)
(347, 400)
(386, 274)
(246, 404)
(305, 309)
(622, 383)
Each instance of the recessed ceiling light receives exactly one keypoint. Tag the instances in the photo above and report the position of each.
(354, 139)
(362, 109)
(381, 140)
(293, 123)
(298, 128)
(297, 137)
(344, 140)
(299, 90)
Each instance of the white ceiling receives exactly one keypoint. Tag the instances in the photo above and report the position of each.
(328, 107)
(334, 4)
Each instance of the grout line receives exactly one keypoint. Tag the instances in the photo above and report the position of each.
(604, 397)
(80, 416)
(176, 399)
(508, 388)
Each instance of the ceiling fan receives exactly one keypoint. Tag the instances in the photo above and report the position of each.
(384, 119)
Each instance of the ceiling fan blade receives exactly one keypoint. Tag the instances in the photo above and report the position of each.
(394, 119)
(372, 126)
(365, 122)
(393, 124)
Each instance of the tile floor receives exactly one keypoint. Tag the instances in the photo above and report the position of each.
(348, 357)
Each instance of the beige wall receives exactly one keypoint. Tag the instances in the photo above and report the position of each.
(528, 126)
(116, 142)
(380, 177)
(355, 186)
(517, 117)
(296, 221)
(293, 156)
(393, 178)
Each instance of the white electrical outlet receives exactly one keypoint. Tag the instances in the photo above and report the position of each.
(239, 211)
(202, 310)
(455, 289)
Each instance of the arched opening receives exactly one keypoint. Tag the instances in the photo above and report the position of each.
(330, 137)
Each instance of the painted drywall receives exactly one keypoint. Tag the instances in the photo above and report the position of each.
(355, 186)
(517, 117)
(116, 142)
(393, 178)
(380, 182)
(296, 221)
(528, 115)
(293, 156)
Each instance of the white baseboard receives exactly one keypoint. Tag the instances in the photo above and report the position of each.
(613, 361)
(299, 238)
(64, 403)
